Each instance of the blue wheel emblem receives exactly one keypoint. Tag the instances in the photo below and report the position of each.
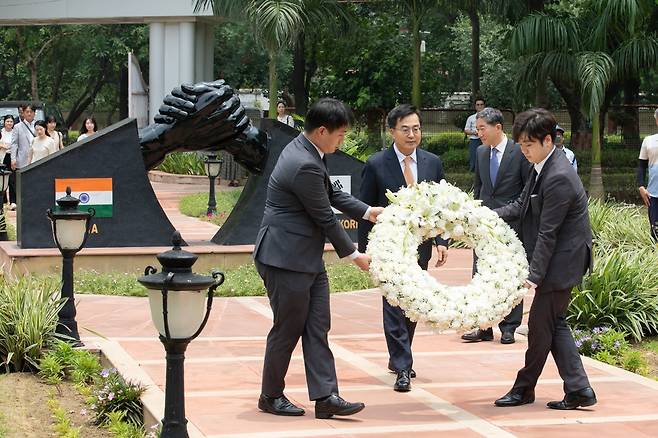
(84, 198)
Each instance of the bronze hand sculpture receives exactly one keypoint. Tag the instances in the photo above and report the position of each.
(203, 116)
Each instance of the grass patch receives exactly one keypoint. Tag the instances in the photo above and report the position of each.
(196, 205)
(648, 349)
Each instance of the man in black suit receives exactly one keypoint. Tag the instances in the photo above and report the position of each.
(557, 237)
(400, 165)
(501, 172)
(288, 255)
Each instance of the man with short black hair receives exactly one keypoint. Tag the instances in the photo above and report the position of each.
(288, 256)
(501, 172)
(403, 164)
(21, 145)
(559, 144)
(557, 237)
(473, 138)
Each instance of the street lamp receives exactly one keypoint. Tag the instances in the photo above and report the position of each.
(213, 168)
(4, 182)
(70, 231)
(176, 298)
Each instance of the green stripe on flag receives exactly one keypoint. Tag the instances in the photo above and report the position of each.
(101, 210)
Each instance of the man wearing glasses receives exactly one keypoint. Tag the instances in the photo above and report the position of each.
(403, 164)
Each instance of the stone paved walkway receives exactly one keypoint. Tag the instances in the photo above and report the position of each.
(451, 397)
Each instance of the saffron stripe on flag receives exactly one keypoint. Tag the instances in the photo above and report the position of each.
(83, 184)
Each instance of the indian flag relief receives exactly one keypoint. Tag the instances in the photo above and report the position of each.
(93, 193)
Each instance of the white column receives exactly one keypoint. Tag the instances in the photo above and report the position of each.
(172, 57)
(199, 51)
(156, 67)
(186, 50)
(209, 63)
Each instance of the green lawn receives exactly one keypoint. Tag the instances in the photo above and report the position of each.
(196, 205)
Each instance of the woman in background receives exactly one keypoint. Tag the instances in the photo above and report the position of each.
(88, 128)
(54, 134)
(42, 145)
(5, 144)
(281, 115)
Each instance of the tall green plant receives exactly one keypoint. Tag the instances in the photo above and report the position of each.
(28, 318)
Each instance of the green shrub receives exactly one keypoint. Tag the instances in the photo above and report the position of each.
(357, 144)
(28, 318)
(63, 361)
(619, 293)
(440, 143)
(620, 225)
(183, 163)
(117, 426)
(63, 427)
(51, 370)
(112, 394)
(455, 161)
(634, 362)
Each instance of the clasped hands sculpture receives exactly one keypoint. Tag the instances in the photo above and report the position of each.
(204, 116)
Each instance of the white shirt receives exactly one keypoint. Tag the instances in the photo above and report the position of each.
(539, 166)
(649, 152)
(500, 147)
(414, 161)
(287, 119)
(5, 137)
(470, 126)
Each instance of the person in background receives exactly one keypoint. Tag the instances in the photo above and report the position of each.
(88, 128)
(559, 144)
(473, 139)
(648, 159)
(42, 145)
(21, 140)
(53, 133)
(281, 115)
(5, 145)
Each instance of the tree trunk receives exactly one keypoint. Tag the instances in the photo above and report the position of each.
(541, 92)
(416, 98)
(299, 75)
(631, 120)
(581, 137)
(274, 90)
(596, 176)
(475, 49)
(311, 68)
(32, 63)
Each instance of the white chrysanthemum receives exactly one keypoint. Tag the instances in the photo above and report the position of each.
(429, 209)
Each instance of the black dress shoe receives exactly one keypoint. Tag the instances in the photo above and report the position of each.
(479, 335)
(516, 397)
(412, 373)
(403, 382)
(572, 400)
(278, 406)
(507, 338)
(335, 405)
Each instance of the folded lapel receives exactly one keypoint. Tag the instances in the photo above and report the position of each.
(421, 166)
(394, 168)
(483, 161)
(504, 161)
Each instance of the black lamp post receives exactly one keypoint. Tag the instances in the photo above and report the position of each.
(213, 168)
(70, 231)
(4, 182)
(176, 298)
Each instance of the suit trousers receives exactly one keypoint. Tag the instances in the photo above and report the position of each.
(473, 144)
(548, 332)
(300, 306)
(399, 333)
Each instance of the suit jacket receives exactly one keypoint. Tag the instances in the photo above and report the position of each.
(382, 172)
(21, 141)
(512, 176)
(555, 227)
(298, 217)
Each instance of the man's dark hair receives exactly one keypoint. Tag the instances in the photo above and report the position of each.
(491, 116)
(328, 112)
(400, 112)
(536, 124)
(480, 99)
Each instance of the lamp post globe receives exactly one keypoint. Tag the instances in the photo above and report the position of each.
(70, 231)
(180, 303)
(4, 183)
(213, 167)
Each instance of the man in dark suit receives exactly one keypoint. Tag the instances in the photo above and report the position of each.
(288, 255)
(400, 165)
(557, 237)
(501, 172)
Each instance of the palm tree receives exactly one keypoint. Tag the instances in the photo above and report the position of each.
(275, 23)
(589, 58)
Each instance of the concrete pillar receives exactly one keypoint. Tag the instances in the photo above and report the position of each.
(199, 51)
(172, 58)
(186, 52)
(156, 67)
(209, 73)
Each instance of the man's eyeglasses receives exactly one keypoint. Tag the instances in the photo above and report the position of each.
(406, 130)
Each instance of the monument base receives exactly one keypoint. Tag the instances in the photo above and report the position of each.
(17, 262)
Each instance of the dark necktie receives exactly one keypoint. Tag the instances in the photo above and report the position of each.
(493, 166)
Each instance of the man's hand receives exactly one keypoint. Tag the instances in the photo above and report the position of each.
(374, 213)
(443, 255)
(644, 194)
(529, 285)
(13, 164)
(362, 261)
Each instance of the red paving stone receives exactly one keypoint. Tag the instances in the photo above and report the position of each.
(451, 397)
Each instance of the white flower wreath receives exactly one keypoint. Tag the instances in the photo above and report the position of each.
(426, 210)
